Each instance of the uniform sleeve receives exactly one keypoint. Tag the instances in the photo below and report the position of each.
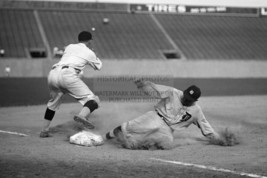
(204, 125)
(154, 90)
(98, 64)
(94, 61)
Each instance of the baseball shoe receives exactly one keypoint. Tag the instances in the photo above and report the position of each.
(84, 121)
(45, 134)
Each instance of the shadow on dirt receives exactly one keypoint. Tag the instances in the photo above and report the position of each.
(68, 129)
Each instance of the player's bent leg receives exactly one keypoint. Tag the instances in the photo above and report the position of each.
(113, 133)
(155, 140)
(88, 108)
(49, 115)
(83, 121)
(165, 143)
(131, 137)
(119, 136)
(90, 103)
(164, 138)
(52, 105)
(147, 132)
(79, 90)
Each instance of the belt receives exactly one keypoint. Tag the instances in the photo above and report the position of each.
(162, 117)
(159, 114)
(66, 67)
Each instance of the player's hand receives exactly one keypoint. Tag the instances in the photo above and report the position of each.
(224, 138)
(93, 65)
(139, 83)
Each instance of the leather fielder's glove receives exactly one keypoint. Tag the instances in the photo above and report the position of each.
(224, 138)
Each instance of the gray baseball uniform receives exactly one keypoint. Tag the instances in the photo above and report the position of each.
(155, 128)
(64, 78)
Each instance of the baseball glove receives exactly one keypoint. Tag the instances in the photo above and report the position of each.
(225, 138)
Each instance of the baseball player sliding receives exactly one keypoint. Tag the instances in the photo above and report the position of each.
(65, 78)
(154, 129)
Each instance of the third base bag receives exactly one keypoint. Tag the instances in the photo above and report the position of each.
(86, 138)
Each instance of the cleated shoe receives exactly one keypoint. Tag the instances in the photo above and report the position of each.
(45, 134)
(85, 122)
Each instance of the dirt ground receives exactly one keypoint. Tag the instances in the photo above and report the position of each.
(32, 156)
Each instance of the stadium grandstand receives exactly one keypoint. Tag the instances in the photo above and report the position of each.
(31, 30)
(208, 44)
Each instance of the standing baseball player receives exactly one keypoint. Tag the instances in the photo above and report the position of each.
(65, 78)
(175, 110)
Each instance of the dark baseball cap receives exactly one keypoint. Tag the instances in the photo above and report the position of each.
(192, 93)
(84, 36)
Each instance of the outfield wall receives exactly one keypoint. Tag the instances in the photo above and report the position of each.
(170, 68)
(27, 84)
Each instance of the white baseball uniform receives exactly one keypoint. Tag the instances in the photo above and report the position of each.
(65, 76)
(156, 127)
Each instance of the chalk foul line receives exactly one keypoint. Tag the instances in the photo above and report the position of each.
(13, 133)
(210, 168)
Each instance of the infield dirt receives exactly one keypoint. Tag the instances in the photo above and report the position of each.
(32, 156)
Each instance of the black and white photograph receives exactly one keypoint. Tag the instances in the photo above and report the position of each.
(133, 88)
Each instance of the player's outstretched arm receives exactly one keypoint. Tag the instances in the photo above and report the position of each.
(222, 138)
(96, 64)
(152, 89)
(139, 83)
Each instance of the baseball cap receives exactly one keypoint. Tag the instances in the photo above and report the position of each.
(84, 36)
(192, 93)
